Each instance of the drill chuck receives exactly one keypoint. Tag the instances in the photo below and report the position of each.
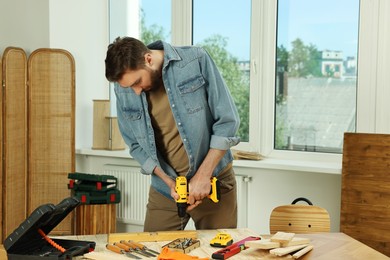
(181, 209)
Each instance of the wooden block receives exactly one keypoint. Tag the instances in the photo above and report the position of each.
(115, 141)
(101, 110)
(152, 236)
(106, 134)
(302, 252)
(281, 251)
(282, 237)
(262, 244)
(268, 244)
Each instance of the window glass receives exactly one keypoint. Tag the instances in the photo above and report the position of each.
(155, 20)
(146, 20)
(222, 27)
(316, 69)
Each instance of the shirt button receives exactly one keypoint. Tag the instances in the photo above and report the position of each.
(185, 140)
(173, 105)
(168, 89)
(179, 123)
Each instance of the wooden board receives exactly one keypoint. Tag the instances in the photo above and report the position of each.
(365, 195)
(51, 138)
(14, 138)
(152, 236)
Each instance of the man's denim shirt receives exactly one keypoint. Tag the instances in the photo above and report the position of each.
(204, 111)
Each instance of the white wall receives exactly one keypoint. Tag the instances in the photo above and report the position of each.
(270, 188)
(24, 24)
(80, 27)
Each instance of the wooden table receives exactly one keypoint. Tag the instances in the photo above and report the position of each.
(326, 246)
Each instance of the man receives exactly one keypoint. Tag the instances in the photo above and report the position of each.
(177, 117)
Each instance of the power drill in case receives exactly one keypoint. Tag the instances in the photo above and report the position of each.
(182, 190)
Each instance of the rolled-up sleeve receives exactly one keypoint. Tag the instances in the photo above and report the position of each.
(222, 107)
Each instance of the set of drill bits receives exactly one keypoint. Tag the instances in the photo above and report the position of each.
(183, 245)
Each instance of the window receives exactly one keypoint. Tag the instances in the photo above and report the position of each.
(146, 20)
(316, 69)
(227, 41)
(291, 65)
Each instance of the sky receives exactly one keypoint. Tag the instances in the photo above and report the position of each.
(329, 25)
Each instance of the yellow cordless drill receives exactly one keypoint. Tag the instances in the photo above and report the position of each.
(182, 190)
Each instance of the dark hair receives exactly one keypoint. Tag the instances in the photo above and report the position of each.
(123, 54)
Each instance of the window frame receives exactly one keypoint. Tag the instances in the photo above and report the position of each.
(372, 93)
(263, 51)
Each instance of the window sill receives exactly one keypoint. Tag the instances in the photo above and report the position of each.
(291, 165)
(267, 163)
(104, 153)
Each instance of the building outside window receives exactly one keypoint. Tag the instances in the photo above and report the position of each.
(315, 97)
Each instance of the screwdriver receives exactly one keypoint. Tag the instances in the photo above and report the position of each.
(118, 250)
(135, 248)
(143, 247)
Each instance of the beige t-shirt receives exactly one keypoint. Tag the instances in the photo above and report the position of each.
(167, 135)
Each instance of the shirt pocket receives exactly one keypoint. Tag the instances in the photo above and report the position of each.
(132, 114)
(133, 117)
(193, 92)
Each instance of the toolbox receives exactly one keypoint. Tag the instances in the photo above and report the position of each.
(109, 197)
(91, 182)
(94, 188)
(30, 240)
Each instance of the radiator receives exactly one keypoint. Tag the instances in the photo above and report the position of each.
(134, 188)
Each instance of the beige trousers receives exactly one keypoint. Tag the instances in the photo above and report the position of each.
(161, 214)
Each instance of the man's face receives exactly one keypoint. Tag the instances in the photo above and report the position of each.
(140, 80)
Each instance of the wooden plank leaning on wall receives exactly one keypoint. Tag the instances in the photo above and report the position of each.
(365, 190)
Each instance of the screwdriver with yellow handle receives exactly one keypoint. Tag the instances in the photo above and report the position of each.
(116, 249)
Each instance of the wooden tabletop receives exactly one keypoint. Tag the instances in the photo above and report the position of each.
(326, 246)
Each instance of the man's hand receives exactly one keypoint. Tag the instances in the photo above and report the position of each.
(199, 188)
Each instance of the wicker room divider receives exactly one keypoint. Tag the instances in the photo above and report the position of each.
(51, 128)
(14, 138)
(1, 148)
(37, 133)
